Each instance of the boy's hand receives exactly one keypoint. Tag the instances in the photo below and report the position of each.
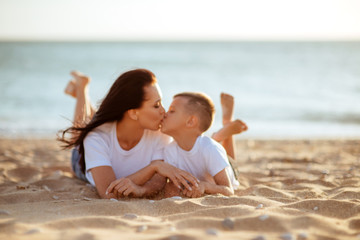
(197, 191)
(123, 187)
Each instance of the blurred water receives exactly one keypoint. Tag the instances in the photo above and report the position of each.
(282, 89)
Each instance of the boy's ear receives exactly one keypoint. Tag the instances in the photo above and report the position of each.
(133, 114)
(192, 121)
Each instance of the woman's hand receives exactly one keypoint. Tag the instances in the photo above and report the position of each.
(123, 187)
(176, 175)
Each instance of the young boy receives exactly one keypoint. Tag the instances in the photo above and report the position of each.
(189, 116)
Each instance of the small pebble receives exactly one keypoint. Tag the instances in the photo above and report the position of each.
(212, 231)
(46, 188)
(55, 197)
(228, 223)
(142, 228)
(325, 171)
(260, 237)
(263, 217)
(114, 200)
(32, 231)
(172, 229)
(225, 197)
(57, 174)
(316, 208)
(176, 197)
(130, 216)
(259, 206)
(151, 201)
(287, 236)
(20, 187)
(302, 236)
(4, 212)
(86, 199)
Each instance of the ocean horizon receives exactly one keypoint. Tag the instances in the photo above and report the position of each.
(281, 89)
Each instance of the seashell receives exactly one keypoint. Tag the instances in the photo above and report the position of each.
(172, 229)
(114, 200)
(55, 197)
(46, 188)
(264, 217)
(4, 212)
(151, 201)
(86, 199)
(260, 237)
(142, 228)
(176, 197)
(130, 216)
(211, 231)
(302, 236)
(228, 223)
(287, 236)
(259, 206)
(316, 208)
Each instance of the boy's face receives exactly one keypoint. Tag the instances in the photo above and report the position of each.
(176, 117)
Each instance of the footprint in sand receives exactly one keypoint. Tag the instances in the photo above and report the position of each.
(23, 174)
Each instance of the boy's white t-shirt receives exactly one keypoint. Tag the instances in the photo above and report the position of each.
(102, 149)
(206, 156)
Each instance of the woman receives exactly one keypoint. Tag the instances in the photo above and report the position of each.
(120, 144)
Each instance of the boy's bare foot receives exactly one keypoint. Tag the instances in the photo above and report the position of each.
(231, 128)
(71, 88)
(227, 106)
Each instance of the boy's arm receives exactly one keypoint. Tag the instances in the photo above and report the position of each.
(222, 185)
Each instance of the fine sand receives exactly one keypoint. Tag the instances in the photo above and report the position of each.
(289, 190)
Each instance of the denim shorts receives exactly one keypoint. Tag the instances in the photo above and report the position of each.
(75, 164)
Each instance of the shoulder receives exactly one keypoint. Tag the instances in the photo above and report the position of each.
(211, 148)
(209, 143)
(101, 134)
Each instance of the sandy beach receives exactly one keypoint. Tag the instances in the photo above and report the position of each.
(293, 189)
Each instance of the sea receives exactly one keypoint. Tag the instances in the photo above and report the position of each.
(282, 90)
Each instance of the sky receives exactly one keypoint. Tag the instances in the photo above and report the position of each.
(95, 20)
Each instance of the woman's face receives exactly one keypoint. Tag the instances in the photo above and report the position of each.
(152, 112)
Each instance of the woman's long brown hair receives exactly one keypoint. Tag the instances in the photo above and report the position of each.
(126, 93)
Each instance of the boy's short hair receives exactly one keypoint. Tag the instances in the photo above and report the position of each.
(201, 105)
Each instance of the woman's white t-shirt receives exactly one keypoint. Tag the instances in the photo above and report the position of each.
(206, 156)
(102, 149)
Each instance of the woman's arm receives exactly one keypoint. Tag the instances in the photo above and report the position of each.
(143, 182)
(103, 176)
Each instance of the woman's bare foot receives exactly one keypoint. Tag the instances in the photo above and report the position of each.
(71, 88)
(80, 81)
(231, 128)
(227, 106)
